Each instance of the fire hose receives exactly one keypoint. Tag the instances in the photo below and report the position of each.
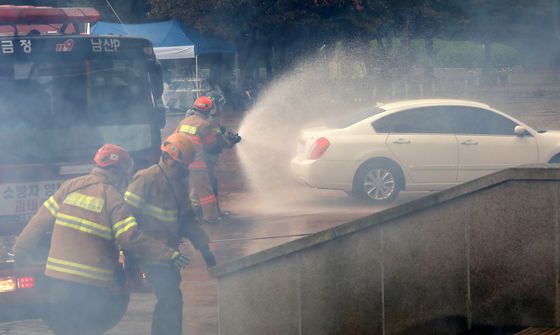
(257, 238)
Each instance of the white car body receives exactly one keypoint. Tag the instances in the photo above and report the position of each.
(432, 159)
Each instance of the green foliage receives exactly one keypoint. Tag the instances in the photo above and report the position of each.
(129, 11)
(460, 54)
(464, 54)
(471, 55)
(504, 56)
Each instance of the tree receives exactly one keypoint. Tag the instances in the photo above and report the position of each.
(277, 29)
(128, 11)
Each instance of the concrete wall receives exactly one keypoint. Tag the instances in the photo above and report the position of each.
(483, 253)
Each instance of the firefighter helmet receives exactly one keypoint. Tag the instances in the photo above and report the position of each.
(113, 155)
(179, 147)
(203, 104)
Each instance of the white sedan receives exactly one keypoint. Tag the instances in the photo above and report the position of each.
(417, 145)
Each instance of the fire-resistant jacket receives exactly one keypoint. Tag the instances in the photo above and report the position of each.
(200, 132)
(158, 196)
(213, 154)
(89, 220)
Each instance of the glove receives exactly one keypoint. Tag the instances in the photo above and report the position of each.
(179, 261)
(233, 138)
(208, 256)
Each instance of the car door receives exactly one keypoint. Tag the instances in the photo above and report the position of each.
(422, 144)
(488, 143)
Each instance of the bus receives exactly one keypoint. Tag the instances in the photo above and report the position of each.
(63, 93)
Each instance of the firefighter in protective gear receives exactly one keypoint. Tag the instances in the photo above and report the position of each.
(199, 130)
(224, 140)
(159, 198)
(90, 221)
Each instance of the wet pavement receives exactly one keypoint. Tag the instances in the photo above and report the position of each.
(256, 224)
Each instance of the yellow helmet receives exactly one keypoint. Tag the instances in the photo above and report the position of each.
(179, 147)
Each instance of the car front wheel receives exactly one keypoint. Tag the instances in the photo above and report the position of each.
(378, 183)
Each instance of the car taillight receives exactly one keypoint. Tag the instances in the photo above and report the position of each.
(7, 284)
(25, 282)
(10, 284)
(318, 148)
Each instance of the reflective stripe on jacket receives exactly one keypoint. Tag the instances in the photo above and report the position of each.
(88, 218)
(198, 165)
(199, 130)
(159, 211)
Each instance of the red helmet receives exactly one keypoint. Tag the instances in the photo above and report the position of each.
(203, 104)
(179, 147)
(110, 154)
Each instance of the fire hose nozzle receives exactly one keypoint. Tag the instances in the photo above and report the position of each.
(233, 138)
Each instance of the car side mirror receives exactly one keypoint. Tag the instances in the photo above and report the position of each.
(520, 130)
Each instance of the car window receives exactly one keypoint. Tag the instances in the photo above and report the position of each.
(471, 120)
(350, 119)
(433, 120)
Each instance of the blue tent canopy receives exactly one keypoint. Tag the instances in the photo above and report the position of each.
(170, 39)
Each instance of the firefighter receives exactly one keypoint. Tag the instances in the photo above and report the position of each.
(224, 140)
(90, 221)
(160, 202)
(199, 130)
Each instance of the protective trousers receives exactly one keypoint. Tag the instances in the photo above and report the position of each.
(201, 194)
(211, 163)
(168, 312)
(83, 309)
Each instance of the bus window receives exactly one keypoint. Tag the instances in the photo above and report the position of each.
(74, 106)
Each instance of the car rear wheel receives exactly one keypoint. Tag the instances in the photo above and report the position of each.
(378, 183)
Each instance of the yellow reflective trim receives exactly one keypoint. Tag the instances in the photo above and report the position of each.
(52, 200)
(216, 131)
(77, 273)
(132, 199)
(79, 265)
(132, 196)
(188, 129)
(52, 206)
(123, 222)
(150, 210)
(83, 225)
(84, 221)
(160, 213)
(83, 229)
(166, 212)
(123, 230)
(124, 225)
(93, 204)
